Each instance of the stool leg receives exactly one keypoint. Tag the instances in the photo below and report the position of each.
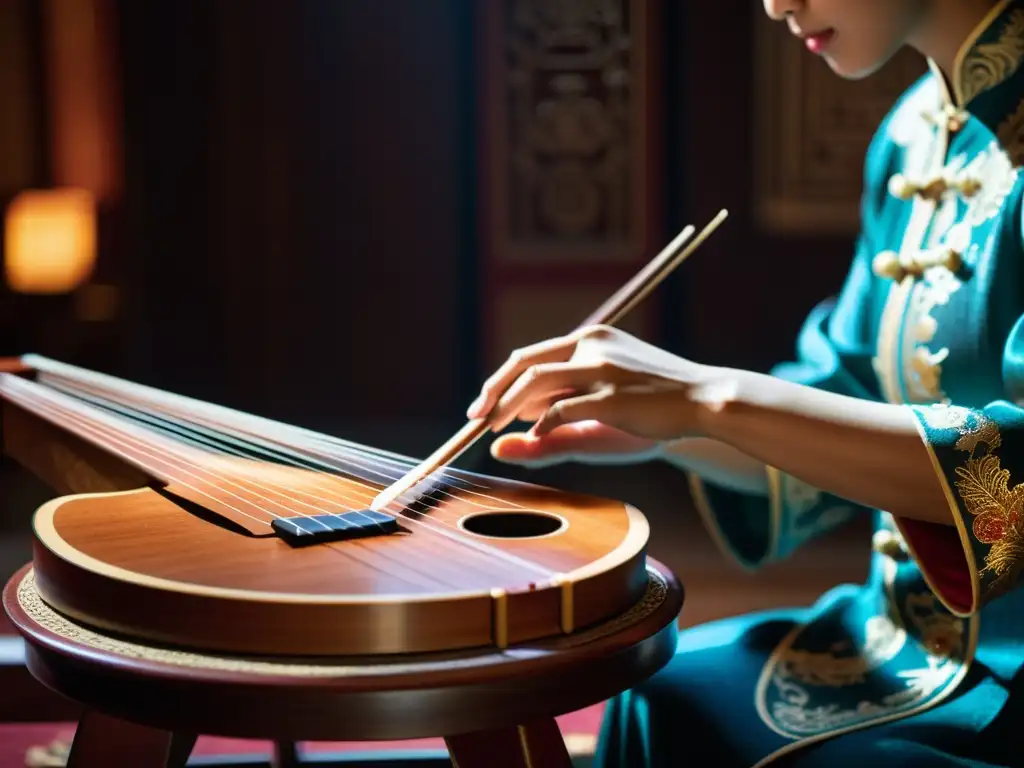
(101, 741)
(286, 755)
(182, 745)
(536, 745)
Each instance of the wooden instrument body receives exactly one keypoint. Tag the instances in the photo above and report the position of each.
(151, 560)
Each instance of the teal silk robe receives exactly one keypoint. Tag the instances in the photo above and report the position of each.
(923, 665)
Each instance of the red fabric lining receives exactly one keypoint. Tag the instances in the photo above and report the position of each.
(941, 555)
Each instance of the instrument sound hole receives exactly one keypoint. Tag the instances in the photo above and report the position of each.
(512, 524)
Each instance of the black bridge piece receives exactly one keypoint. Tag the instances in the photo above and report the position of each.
(321, 529)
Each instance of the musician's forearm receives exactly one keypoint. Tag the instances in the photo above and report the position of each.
(870, 453)
(719, 464)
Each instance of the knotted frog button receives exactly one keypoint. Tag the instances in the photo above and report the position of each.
(902, 187)
(933, 190)
(887, 265)
(951, 259)
(956, 118)
(967, 187)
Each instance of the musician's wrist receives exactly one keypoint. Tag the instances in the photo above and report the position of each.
(716, 398)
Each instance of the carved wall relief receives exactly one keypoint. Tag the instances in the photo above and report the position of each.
(568, 132)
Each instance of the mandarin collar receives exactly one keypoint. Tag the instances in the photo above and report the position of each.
(987, 81)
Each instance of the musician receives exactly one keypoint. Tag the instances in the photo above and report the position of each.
(901, 405)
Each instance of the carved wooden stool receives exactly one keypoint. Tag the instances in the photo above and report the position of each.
(144, 705)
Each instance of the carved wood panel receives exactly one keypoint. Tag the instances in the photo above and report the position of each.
(812, 129)
(569, 146)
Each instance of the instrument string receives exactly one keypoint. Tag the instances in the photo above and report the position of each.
(221, 413)
(484, 550)
(227, 445)
(469, 491)
(386, 466)
(118, 435)
(243, 447)
(314, 461)
(357, 467)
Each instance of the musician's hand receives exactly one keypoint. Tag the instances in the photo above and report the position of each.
(597, 394)
(587, 442)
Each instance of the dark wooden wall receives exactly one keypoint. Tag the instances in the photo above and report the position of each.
(300, 193)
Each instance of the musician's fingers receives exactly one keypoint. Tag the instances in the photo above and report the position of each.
(551, 351)
(544, 381)
(534, 409)
(588, 442)
(599, 406)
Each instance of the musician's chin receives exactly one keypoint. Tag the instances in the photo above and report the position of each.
(853, 67)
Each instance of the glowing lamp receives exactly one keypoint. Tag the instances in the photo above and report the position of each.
(50, 240)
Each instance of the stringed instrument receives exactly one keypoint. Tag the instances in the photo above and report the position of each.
(194, 525)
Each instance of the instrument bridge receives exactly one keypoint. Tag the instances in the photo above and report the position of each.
(322, 529)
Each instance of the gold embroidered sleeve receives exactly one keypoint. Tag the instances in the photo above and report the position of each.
(978, 457)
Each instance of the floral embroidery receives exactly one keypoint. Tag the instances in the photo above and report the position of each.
(910, 654)
(993, 168)
(985, 489)
(940, 632)
(992, 63)
(834, 669)
(984, 486)
(952, 228)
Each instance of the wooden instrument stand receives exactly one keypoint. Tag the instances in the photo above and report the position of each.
(144, 705)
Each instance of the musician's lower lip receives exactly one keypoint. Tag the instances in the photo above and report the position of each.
(819, 42)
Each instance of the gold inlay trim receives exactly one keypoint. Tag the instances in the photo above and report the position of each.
(500, 617)
(568, 610)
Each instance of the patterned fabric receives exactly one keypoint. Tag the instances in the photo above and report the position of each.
(922, 659)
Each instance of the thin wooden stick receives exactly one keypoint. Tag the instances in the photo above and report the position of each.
(612, 311)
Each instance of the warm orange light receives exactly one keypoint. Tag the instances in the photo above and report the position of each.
(50, 240)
